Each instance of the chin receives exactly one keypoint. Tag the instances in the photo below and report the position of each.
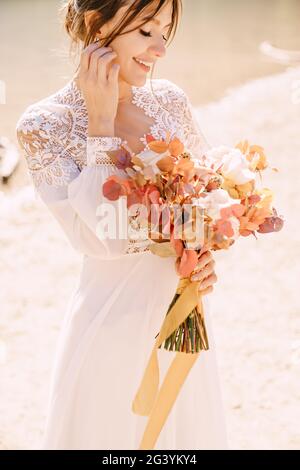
(136, 81)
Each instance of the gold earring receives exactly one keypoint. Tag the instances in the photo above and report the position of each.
(97, 37)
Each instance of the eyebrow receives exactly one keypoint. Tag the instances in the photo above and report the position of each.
(154, 20)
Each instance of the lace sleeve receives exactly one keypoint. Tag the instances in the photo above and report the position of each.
(73, 196)
(48, 164)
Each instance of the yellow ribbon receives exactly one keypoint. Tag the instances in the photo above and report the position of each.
(149, 400)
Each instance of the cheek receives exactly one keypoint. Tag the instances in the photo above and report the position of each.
(127, 47)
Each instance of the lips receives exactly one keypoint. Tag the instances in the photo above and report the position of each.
(146, 68)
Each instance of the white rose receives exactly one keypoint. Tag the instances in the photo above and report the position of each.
(236, 167)
(214, 202)
(217, 153)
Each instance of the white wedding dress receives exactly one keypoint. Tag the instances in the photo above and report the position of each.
(123, 292)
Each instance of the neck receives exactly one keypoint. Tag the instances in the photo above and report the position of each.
(125, 92)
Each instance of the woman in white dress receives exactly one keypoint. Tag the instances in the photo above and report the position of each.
(124, 290)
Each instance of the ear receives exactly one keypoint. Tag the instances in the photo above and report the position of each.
(89, 16)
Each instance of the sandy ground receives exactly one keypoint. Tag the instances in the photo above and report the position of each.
(255, 302)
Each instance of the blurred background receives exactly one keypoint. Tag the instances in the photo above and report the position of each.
(217, 47)
(239, 62)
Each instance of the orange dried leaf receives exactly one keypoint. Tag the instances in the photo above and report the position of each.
(166, 164)
(158, 146)
(243, 146)
(256, 148)
(238, 210)
(176, 147)
(225, 212)
(113, 188)
(225, 228)
(184, 165)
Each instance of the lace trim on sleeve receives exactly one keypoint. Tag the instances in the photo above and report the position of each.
(97, 148)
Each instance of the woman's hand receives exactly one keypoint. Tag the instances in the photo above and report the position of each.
(204, 272)
(98, 81)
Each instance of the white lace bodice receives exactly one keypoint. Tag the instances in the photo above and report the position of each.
(64, 162)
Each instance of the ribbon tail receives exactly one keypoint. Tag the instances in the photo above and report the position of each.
(174, 379)
(147, 392)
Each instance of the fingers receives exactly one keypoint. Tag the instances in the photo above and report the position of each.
(205, 257)
(113, 74)
(85, 56)
(203, 250)
(100, 97)
(204, 272)
(204, 260)
(103, 62)
(94, 59)
(208, 281)
(206, 291)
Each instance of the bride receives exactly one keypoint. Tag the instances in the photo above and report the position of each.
(124, 290)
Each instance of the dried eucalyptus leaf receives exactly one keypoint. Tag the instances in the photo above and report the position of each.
(165, 250)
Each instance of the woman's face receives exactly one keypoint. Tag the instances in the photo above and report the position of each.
(147, 43)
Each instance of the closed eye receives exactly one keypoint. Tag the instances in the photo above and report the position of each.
(148, 34)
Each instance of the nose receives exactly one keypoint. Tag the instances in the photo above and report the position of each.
(158, 49)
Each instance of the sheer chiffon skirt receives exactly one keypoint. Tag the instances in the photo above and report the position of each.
(104, 345)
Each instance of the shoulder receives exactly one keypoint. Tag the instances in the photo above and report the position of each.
(172, 97)
(40, 125)
(56, 122)
(41, 133)
(168, 88)
(48, 116)
(163, 84)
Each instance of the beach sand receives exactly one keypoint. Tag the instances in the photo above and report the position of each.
(255, 302)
